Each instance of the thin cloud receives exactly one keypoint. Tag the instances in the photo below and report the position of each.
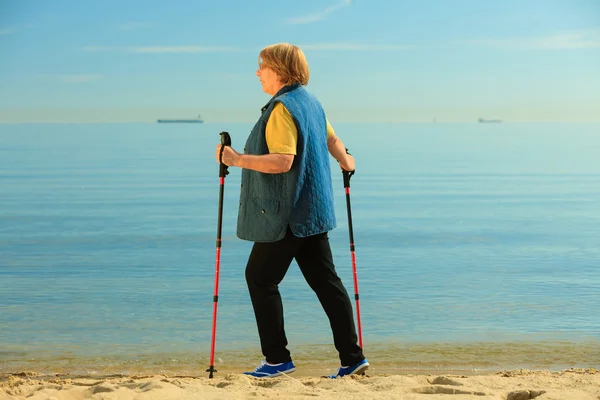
(354, 47)
(72, 78)
(163, 49)
(183, 49)
(9, 30)
(321, 15)
(563, 41)
(133, 26)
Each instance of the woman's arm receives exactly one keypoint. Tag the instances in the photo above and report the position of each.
(338, 151)
(267, 163)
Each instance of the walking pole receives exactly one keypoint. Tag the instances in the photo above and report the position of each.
(347, 176)
(225, 141)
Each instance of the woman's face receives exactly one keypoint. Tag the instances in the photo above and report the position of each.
(269, 80)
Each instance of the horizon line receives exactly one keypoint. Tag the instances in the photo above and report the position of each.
(475, 121)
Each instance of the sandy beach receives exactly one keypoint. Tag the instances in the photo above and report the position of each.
(571, 384)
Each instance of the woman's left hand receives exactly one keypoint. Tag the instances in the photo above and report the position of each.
(230, 156)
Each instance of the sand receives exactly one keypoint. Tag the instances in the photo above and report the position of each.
(571, 384)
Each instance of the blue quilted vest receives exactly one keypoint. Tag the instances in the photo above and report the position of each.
(301, 198)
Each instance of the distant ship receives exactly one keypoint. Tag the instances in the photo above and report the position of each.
(198, 120)
(483, 121)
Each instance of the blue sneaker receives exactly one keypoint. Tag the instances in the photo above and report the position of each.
(355, 369)
(265, 370)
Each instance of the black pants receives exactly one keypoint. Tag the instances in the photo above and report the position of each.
(267, 266)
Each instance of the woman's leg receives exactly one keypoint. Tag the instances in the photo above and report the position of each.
(316, 263)
(266, 268)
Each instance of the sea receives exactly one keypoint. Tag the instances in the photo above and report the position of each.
(477, 249)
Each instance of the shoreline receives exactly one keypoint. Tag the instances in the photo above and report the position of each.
(397, 358)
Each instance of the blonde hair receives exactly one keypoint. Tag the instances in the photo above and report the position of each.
(288, 62)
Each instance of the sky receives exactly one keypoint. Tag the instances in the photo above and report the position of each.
(370, 60)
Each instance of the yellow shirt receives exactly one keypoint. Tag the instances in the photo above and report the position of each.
(281, 133)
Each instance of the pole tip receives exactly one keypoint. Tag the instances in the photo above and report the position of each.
(210, 371)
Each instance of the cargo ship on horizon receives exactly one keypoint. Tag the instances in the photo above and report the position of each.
(484, 121)
(198, 120)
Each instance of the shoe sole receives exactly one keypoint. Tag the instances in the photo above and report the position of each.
(360, 370)
(289, 371)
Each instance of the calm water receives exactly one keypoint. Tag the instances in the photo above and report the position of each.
(478, 247)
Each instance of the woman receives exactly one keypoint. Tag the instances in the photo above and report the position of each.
(286, 209)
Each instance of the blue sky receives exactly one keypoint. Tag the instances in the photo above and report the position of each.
(370, 60)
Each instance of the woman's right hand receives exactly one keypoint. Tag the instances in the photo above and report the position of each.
(348, 164)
